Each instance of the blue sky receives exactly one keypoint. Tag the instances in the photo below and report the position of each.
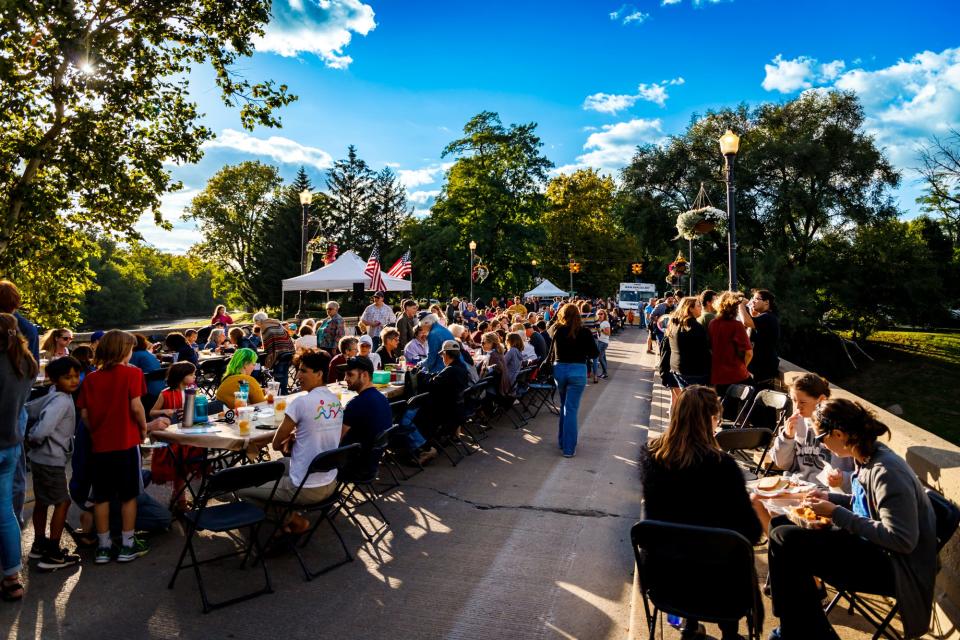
(400, 78)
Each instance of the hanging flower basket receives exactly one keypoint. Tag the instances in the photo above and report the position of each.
(696, 222)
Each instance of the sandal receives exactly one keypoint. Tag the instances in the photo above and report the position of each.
(12, 591)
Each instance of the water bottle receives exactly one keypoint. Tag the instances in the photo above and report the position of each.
(674, 621)
(200, 409)
(245, 390)
(401, 364)
(189, 395)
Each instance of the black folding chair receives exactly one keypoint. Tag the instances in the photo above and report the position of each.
(443, 436)
(230, 516)
(736, 402)
(769, 410)
(740, 441)
(391, 455)
(703, 573)
(543, 389)
(210, 374)
(327, 509)
(366, 487)
(947, 520)
(472, 406)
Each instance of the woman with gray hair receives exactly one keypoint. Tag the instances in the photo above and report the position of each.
(438, 334)
(332, 329)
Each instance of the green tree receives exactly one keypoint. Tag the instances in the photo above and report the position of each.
(349, 186)
(94, 100)
(494, 195)
(231, 211)
(387, 211)
(805, 167)
(579, 223)
(940, 169)
(121, 283)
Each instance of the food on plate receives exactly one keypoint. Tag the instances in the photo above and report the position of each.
(808, 517)
(773, 483)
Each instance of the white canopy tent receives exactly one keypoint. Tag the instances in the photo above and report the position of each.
(340, 275)
(546, 289)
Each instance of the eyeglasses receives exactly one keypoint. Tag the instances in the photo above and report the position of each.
(67, 338)
(823, 435)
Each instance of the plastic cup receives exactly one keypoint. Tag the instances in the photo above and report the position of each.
(239, 399)
(245, 420)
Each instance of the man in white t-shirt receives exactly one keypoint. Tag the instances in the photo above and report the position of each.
(317, 419)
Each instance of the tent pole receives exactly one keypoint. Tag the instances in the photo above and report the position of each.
(282, 296)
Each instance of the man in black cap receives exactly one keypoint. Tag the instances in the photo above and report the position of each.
(377, 316)
(364, 418)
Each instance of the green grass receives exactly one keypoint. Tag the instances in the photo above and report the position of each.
(920, 371)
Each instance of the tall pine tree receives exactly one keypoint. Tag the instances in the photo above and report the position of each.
(349, 186)
(387, 210)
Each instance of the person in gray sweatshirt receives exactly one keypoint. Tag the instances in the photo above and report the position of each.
(883, 539)
(51, 425)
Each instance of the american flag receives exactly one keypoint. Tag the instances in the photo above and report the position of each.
(402, 267)
(373, 271)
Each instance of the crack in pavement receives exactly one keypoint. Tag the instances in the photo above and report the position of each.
(484, 506)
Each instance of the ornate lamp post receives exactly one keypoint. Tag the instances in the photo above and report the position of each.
(729, 145)
(305, 199)
(473, 248)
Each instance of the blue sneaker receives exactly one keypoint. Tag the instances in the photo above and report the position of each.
(103, 555)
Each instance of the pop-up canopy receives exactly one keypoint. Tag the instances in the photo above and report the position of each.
(340, 275)
(546, 289)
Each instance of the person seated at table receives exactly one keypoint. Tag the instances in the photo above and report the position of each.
(190, 335)
(365, 417)
(883, 540)
(493, 360)
(796, 448)
(688, 479)
(313, 424)
(513, 358)
(348, 348)
(238, 339)
(444, 407)
(389, 349)
(306, 339)
(169, 405)
(55, 344)
(437, 334)
(526, 350)
(215, 341)
(239, 369)
(416, 349)
(148, 363)
(278, 346)
(255, 338)
(477, 336)
(366, 350)
(177, 343)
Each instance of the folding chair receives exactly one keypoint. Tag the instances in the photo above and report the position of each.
(472, 405)
(703, 573)
(366, 487)
(738, 441)
(765, 403)
(947, 520)
(327, 509)
(209, 374)
(544, 388)
(736, 402)
(390, 456)
(443, 435)
(230, 516)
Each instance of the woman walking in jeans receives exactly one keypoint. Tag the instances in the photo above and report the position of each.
(18, 370)
(574, 346)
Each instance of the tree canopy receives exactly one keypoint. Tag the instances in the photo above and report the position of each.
(94, 101)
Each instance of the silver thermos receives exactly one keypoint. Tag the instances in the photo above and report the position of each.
(189, 395)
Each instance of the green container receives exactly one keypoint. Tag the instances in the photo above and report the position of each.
(381, 377)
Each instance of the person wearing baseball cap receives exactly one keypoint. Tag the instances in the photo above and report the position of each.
(444, 407)
(366, 350)
(375, 317)
(95, 338)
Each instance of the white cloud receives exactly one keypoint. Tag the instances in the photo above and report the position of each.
(613, 146)
(628, 14)
(321, 27)
(423, 197)
(695, 3)
(277, 148)
(669, 2)
(614, 103)
(787, 76)
(427, 175)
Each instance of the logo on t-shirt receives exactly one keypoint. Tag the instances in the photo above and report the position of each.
(328, 410)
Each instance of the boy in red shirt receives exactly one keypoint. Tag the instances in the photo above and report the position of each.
(110, 406)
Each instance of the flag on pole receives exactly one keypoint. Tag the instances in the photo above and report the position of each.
(372, 270)
(402, 267)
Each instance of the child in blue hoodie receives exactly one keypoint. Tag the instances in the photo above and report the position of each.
(52, 421)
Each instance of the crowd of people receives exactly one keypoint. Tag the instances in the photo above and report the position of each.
(94, 405)
(882, 537)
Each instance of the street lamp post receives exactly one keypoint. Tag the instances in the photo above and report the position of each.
(473, 248)
(729, 145)
(305, 199)
(533, 263)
